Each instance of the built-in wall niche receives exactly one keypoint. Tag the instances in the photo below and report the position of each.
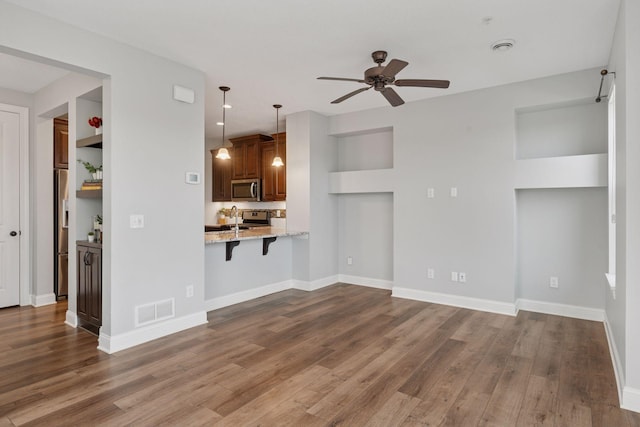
(567, 129)
(562, 233)
(366, 151)
(365, 162)
(89, 149)
(561, 145)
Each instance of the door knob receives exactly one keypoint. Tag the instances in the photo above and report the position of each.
(13, 234)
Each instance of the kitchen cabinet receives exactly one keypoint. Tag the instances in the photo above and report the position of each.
(274, 179)
(246, 157)
(60, 144)
(221, 178)
(89, 298)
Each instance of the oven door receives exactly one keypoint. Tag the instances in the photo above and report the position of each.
(245, 190)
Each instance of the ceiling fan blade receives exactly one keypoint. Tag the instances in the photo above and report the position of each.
(341, 79)
(440, 84)
(394, 67)
(392, 96)
(350, 94)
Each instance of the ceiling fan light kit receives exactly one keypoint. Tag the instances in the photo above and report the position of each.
(223, 153)
(379, 77)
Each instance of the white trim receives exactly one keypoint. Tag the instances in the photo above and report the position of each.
(631, 399)
(577, 312)
(40, 300)
(455, 300)
(112, 344)
(615, 358)
(71, 319)
(24, 194)
(365, 281)
(315, 284)
(238, 297)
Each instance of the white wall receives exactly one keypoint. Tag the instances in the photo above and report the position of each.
(150, 142)
(622, 309)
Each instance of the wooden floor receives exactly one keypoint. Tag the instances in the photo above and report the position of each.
(342, 355)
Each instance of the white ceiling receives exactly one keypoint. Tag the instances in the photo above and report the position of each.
(272, 51)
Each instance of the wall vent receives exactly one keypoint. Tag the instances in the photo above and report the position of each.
(155, 311)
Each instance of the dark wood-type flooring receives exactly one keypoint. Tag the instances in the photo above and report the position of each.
(342, 355)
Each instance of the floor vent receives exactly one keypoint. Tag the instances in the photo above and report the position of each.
(155, 311)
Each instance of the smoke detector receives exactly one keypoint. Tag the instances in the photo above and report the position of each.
(503, 45)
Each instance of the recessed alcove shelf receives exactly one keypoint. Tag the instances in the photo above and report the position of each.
(561, 145)
(365, 162)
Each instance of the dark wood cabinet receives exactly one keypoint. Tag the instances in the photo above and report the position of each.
(89, 298)
(221, 178)
(246, 156)
(60, 144)
(274, 179)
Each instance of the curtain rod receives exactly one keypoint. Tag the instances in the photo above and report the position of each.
(603, 73)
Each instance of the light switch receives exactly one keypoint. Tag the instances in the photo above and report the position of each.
(431, 193)
(136, 221)
(454, 191)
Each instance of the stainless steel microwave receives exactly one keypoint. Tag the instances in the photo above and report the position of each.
(245, 190)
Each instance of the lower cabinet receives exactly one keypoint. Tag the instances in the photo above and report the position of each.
(89, 285)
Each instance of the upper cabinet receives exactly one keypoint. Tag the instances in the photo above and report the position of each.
(274, 179)
(221, 178)
(60, 144)
(246, 156)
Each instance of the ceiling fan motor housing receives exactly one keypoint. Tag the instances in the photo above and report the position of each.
(374, 76)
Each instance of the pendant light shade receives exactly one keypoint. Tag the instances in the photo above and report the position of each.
(223, 153)
(277, 161)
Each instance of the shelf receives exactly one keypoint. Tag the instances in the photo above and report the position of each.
(94, 141)
(89, 194)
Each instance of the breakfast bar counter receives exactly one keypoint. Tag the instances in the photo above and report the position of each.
(250, 234)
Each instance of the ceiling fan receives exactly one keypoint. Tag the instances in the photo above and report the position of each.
(380, 76)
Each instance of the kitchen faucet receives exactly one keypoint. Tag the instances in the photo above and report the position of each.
(234, 208)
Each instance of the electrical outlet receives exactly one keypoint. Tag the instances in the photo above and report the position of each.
(553, 282)
(431, 273)
(454, 276)
(431, 193)
(349, 260)
(462, 277)
(189, 291)
(136, 221)
(454, 191)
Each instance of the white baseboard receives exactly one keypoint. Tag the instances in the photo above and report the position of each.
(455, 300)
(238, 297)
(112, 344)
(615, 358)
(365, 281)
(71, 319)
(315, 284)
(577, 312)
(631, 399)
(40, 300)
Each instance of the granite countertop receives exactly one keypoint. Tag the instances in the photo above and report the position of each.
(250, 234)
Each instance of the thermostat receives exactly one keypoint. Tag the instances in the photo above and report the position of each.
(192, 178)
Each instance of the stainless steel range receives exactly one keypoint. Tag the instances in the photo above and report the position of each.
(255, 218)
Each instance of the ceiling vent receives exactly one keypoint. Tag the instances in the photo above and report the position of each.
(503, 45)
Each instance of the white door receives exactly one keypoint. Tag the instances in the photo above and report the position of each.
(9, 208)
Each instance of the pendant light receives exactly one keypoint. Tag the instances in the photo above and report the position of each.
(223, 153)
(277, 161)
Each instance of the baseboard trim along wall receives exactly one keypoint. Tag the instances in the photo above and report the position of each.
(615, 358)
(40, 300)
(366, 281)
(71, 319)
(574, 311)
(112, 344)
(238, 297)
(456, 300)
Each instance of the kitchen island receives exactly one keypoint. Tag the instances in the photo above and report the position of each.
(247, 274)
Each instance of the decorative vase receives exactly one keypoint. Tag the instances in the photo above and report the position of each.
(99, 130)
(90, 238)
